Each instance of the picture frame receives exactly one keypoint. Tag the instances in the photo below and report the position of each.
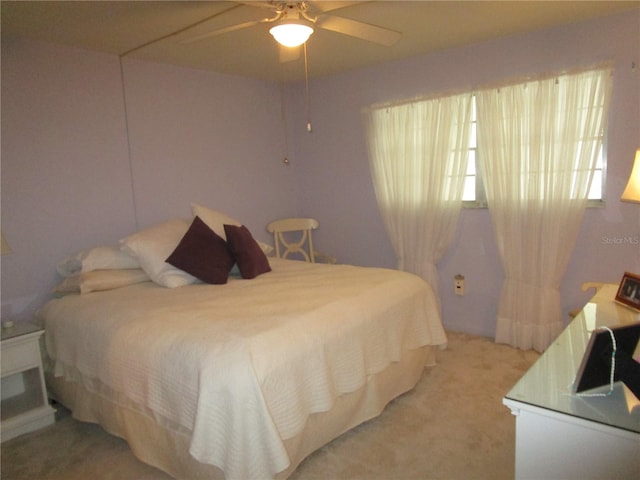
(629, 291)
(595, 368)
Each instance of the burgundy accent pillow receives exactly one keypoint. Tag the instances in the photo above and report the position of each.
(249, 256)
(203, 254)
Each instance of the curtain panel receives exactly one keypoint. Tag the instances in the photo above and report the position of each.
(418, 155)
(539, 143)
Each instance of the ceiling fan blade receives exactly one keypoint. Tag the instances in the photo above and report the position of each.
(221, 31)
(327, 6)
(288, 54)
(353, 28)
(270, 5)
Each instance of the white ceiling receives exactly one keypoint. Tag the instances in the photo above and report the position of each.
(145, 30)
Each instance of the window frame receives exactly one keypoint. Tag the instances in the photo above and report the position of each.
(480, 194)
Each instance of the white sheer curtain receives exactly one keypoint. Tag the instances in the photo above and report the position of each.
(418, 155)
(538, 144)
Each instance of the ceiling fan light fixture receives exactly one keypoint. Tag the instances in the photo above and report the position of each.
(291, 33)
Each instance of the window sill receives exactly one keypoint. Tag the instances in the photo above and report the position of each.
(483, 205)
(474, 205)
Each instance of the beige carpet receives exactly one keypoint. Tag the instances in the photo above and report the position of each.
(451, 426)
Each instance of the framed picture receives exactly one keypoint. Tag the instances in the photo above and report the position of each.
(629, 291)
(595, 368)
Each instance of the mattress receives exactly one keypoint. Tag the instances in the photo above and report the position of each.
(235, 373)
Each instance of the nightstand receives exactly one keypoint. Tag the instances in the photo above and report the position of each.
(24, 405)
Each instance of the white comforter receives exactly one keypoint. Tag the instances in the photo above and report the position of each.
(239, 367)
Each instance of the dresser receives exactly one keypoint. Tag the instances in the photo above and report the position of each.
(24, 404)
(563, 435)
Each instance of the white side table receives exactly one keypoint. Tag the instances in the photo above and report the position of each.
(24, 405)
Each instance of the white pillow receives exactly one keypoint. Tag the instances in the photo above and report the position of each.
(97, 258)
(265, 247)
(215, 220)
(152, 246)
(98, 280)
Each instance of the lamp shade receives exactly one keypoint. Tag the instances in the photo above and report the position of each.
(291, 33)
(632, 191)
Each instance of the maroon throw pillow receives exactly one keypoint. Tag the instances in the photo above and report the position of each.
(249, 256)
(203, 254)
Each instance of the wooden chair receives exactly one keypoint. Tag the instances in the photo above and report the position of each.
(292, 236)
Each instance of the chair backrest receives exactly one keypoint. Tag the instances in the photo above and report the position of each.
(299, 241)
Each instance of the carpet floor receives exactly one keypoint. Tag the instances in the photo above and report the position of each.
(451, 426)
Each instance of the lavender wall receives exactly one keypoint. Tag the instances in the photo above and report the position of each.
(213, 139)
(336, 185)
(65, 174)
(67, 183)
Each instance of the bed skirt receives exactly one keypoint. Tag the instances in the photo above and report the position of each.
(168, 450)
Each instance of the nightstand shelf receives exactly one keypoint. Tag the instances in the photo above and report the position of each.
(24, 405)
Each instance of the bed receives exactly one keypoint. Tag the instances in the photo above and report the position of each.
(243, 379)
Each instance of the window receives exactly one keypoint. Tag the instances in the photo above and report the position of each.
(474, 194)
(597, 184)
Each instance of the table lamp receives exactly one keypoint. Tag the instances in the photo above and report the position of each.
(632, 191)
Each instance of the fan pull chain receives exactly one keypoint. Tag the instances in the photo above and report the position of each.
(306, 80)
(283, 118)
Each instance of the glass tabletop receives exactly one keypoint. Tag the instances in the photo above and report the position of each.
(548, 383)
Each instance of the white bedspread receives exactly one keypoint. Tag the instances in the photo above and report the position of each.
(239, 367)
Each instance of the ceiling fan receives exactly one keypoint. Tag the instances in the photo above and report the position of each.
(304, 17)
